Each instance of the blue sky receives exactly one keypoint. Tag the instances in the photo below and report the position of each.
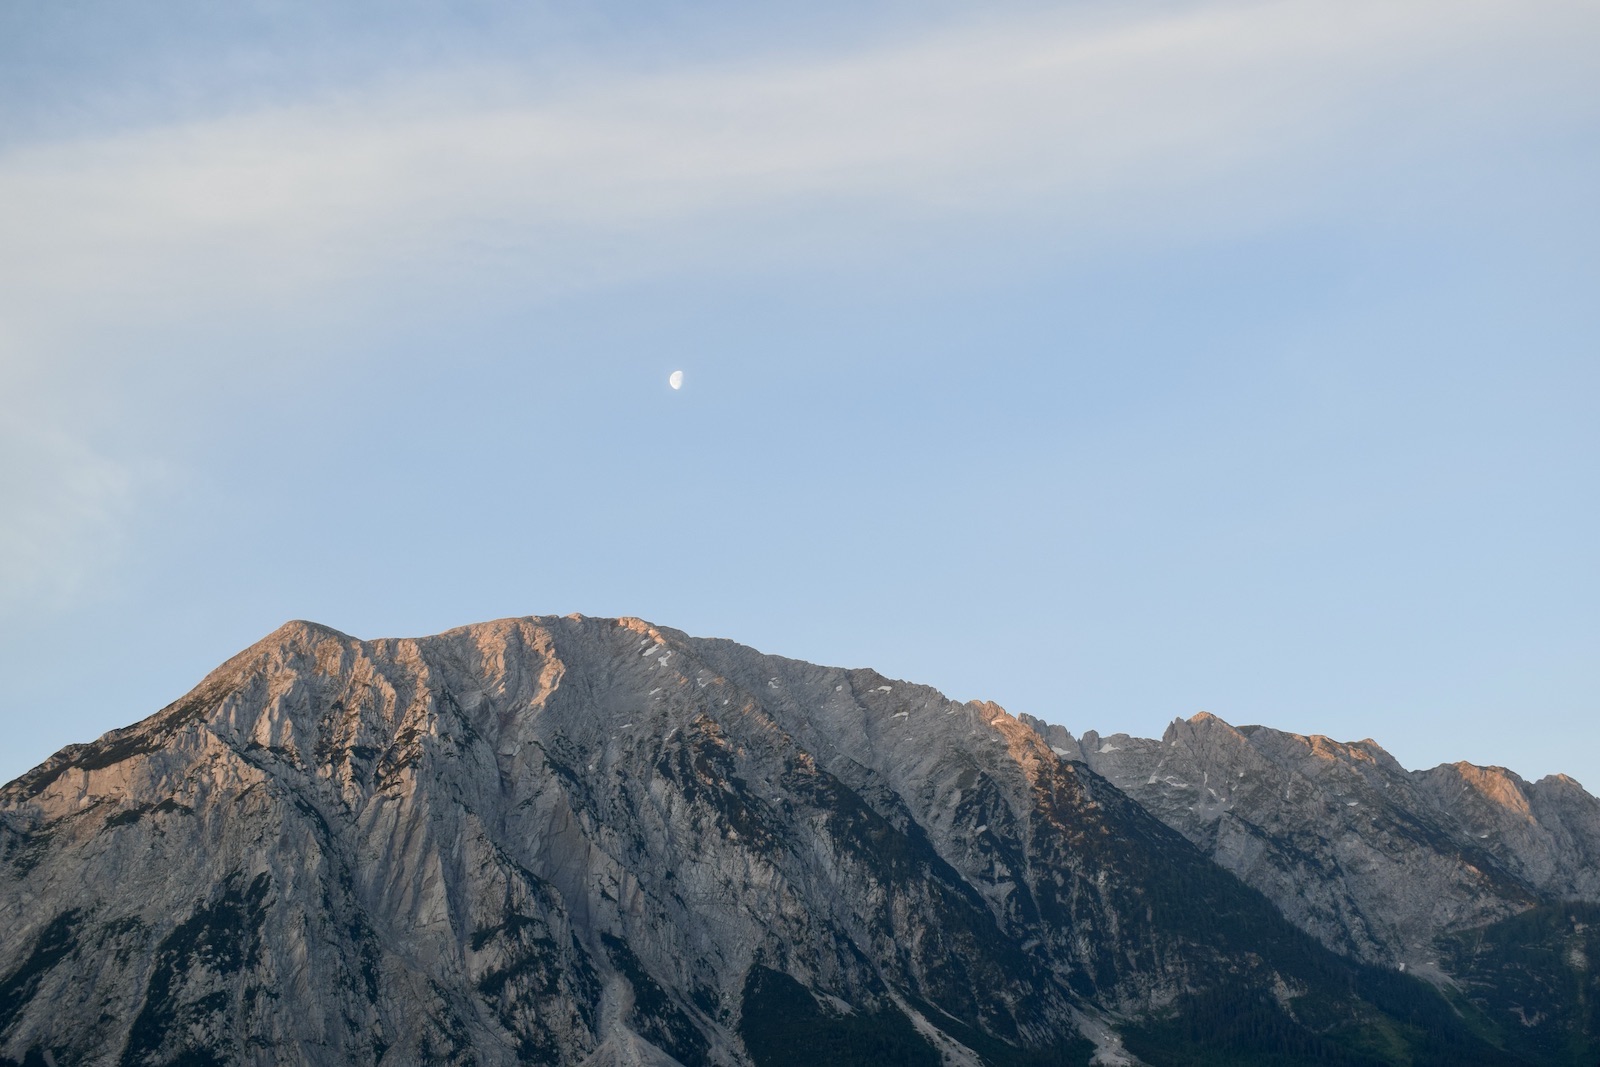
(1110, 361)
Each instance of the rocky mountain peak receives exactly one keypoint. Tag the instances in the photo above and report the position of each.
(1340, 836)
(601, 842)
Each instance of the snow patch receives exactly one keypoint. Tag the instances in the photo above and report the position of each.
(652, 650)
(1060, 751)
(884, 689)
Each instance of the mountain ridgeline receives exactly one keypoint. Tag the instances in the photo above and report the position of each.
(598, 842)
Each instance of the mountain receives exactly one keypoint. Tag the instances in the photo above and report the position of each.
(600, 842)
(1375, 861)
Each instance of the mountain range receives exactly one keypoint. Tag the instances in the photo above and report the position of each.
(600, 842)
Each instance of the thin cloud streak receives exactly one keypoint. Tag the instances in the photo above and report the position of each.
(1082, 129)
(1091, 125)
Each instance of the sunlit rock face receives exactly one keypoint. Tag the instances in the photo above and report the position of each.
(588, 841)
(1374, 860)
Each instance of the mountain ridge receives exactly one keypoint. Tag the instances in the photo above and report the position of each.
(1504, 845)
(591, 841)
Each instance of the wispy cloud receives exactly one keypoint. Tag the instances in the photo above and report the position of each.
(66, 505)
(1085, 122)
(1192, 116)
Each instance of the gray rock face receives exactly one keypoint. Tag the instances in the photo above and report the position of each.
(595, 842)
(1374, 860)
(543, 840)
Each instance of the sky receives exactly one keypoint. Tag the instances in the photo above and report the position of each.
(1111, 361)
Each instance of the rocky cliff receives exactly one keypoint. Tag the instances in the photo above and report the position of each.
(1374, 860)
(583, 841)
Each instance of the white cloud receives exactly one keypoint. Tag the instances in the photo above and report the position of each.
(1194, 116)
(66, 504)
(1086, 122)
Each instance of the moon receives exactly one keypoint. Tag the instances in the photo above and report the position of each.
(676, 379)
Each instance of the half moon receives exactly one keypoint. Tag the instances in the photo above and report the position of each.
(676, 380)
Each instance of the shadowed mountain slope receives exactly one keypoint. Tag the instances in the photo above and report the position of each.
(1374, 860)
(586, 841)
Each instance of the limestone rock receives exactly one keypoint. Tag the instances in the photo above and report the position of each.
(1374, 860)
(599, 842)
